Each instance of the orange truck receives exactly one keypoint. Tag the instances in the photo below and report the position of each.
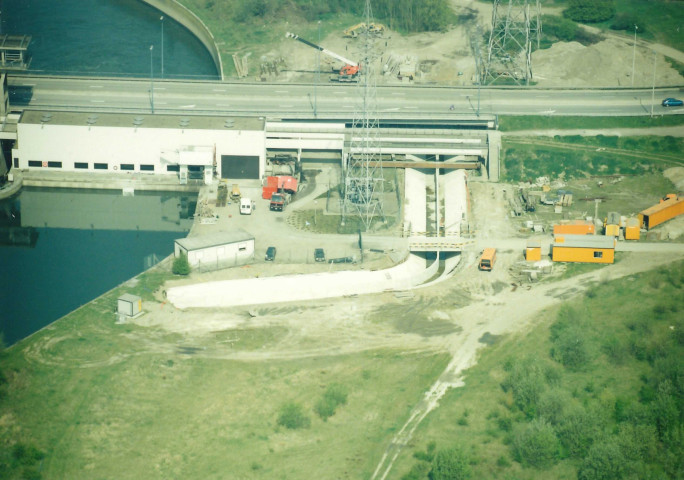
(487, 259)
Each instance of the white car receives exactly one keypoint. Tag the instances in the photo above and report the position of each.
(245, 206)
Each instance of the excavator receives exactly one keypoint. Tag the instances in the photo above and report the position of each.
(348, 73)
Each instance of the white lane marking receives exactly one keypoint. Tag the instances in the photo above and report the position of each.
(391, 109)
(411, 108)
(97, 101)
(286, 106)
(281, 91)
(161, 103)
(187, 106)
(222, 105)
(218, 90)
(96, 86)
(547, 112)
(160, 88)
(398, 93)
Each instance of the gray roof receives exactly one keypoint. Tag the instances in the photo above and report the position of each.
(143, 120)
(127, 297)
(586, 241)
(214, 239)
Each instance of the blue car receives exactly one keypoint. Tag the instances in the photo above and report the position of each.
(672, 102)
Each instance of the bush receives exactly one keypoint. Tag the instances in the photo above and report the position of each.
(559, 27)
(536, 444)
(604, 462)
(181, 265)
(450, 464)
(626, 21)
(570, 348)
(334, 396)
(589, 11)
(527, 380)
(577, 431)
(292, 416)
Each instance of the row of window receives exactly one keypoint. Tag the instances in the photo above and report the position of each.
(126, 167)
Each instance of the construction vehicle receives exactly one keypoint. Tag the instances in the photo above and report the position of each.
(279, 200)
(487, 259)
(356, 30)
(348, 73)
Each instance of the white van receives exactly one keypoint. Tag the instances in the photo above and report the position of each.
(245, 206)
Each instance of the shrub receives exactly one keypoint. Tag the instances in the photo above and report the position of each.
(26, 454)
(552, 405)
(604, 462)
(181, 265)
(334, 396)
(559, 27)
(450, 464)
(527, 380)
(589, 11)
(292, 416)
(577, 431)
(626, 21)
(536, 444)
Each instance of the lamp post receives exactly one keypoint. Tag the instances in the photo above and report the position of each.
(151, 79)
(318, 69)
(634, 53)
(653, 89)
(161, 19)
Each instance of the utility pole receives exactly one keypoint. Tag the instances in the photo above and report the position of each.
(161, 19)
(653, 89)
(318, 70)
(634, 53)
(151, 80)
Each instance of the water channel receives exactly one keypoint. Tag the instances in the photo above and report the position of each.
(60, 249)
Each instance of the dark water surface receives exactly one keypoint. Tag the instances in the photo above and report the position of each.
(105, 38)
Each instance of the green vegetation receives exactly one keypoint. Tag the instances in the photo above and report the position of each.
(292, 416)
(576, 156)
(589, 11)
(181, 265)
(512, 123)
(611, 409)
(335, 396)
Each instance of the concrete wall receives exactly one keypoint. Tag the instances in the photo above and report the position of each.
(190, 21)
(125, 145)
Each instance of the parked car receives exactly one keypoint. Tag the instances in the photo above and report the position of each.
(672, 102)
(319, 255)
(270, 254)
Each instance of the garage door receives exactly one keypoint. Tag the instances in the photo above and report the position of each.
(239, 166)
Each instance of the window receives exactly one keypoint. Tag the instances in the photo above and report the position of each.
(127, 166)
(598, 254)
(81, 165)
(16, 162)
(35, 163)
(55, 164)
(242, 247)
(173, 168)
(146, 168)
(101, 166)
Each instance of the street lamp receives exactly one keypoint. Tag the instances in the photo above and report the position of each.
(653, 89)
(634, 53)
(318, 69)
(151, 79)
(161, 19)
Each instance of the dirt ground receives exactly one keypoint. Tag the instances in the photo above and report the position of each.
(447, 58)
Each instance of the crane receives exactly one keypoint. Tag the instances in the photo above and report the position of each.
(350, 69)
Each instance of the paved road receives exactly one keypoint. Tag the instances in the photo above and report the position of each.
(412, 101)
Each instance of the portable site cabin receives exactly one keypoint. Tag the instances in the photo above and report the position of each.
(128, 306)
(583, 249)
(217, 250)
(632, 229)
(667, 209)
(574, 227)
(533, 251)
(611, 226)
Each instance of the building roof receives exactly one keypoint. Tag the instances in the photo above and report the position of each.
(214, 239)
(584, 241)
(127, 297)
(143, 120)
(662, 205)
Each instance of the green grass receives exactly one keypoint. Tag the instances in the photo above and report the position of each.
(511, 123)
(103, 400)
(630, 346)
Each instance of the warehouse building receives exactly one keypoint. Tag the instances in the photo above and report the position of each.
(216, 251)
(583, 249)
(669, 207)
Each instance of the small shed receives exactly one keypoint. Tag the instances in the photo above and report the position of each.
(632, 229)
(129, 305)
(576, 227)
(217, 250)
(533, 251)
(583, 249)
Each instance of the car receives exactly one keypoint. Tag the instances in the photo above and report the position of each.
(319, 255)
(672, 102)
(270, 254)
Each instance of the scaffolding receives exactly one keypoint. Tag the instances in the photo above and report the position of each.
(363, 178)
(509, 54)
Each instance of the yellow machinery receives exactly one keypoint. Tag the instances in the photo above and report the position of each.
(373, 28)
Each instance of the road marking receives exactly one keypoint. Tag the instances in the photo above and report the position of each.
(391, 109)
(96, 86)
(348, 106)
(547, 112)
(222, 105)
(398, 93)
(411, 108)
(281, 91)
(187, 106)
(286, 106)
(161, 103)
(160, 88)
(28, 84)
(218, 90)
(97, 101)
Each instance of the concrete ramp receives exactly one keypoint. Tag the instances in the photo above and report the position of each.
(292, 288)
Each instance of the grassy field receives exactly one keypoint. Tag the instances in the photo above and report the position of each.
(621, 391)
(87, 398)
(511, 123)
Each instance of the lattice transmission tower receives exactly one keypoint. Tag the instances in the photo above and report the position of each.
(363, 178)
(515, 26)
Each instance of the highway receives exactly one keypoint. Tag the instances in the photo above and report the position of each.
(325, 100)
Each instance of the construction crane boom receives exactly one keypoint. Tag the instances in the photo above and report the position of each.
(322, 50)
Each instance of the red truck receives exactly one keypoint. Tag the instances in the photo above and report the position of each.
(279, 200)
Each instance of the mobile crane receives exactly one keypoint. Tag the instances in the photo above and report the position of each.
(348, 73)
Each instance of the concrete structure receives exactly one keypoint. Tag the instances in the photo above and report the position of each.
(218, 250)
(583, 249)
(669, 207)
(129, 305)
(200, 146)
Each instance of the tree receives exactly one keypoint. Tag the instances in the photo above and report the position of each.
(577, 431)
(536, 444)
(181, 265)
(604, 462)
(292, 416)
(589, 11)
(450, 464)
